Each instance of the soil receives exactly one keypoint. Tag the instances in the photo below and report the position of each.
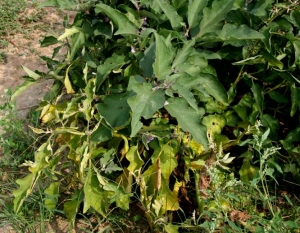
(24, 50)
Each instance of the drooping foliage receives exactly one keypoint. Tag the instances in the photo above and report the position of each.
(152, 93)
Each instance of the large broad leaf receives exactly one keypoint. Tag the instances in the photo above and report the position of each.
(94, 195)
(188, 118)
(295, 98)
(125, 26)
(213, 87)
(163, 58)
(115, 109)
(170, 12)
(295, 18)
(262, 7)
(241, 32)
(213, 15)
(111, 63)
(144, 104)
(183, 54)
(195, 12)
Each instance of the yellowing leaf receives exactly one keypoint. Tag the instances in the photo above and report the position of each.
(68, 32)
(134, 158)
(67, 83)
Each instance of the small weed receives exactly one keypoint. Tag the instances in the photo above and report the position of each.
(16, 140)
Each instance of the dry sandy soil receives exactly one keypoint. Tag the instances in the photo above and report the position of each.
(24, 50)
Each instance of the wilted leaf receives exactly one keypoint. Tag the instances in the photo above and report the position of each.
(134, 158)
(23, 191)
(68, 32)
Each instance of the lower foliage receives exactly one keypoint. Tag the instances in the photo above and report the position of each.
(189, 110)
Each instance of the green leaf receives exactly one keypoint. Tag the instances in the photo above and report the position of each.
(24, 190)
(296, 44)
(163, 58)
(241, 32)
(115, 109)
(195, 8)
(52, 193)
(258, 96)
(101, 133)
(71, 206)
(262, 7)
(183, 54)
(111, 63)
(272, 61)
(49, 40)
(41, 158)
(94, 196)
(125, 26)
(213, 15)
(278, 97)
(272, 123)
(188, 118)
(170, 228)
(213, 87)
(134, 158)
(77, 41)
(248, 172)
(295, 99)
(144, 104)
(295, 18)
(171, 13)
(147, 61)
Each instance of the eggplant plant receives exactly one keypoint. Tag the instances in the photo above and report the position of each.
(153, 94)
